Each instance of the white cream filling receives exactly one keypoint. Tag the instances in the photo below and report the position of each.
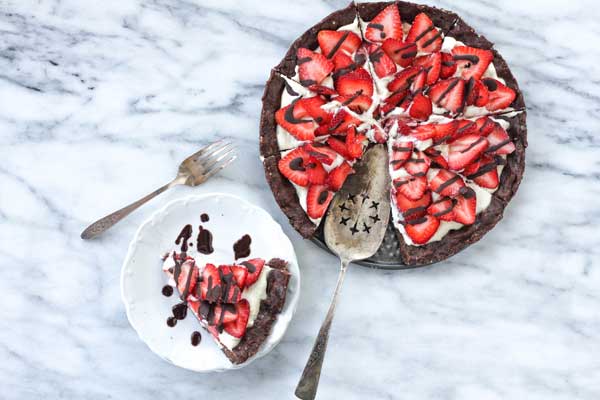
(254, 294)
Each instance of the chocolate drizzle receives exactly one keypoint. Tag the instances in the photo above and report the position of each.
(204, 241)
(183, 237)
(297, 164)
(289, 114)
(180, 310)
(472, 58)
(490, 83)
(447, 183)
(241, 248)
(171, 321)
(204, 217)
(289, 89)
(167, 290)
(249, 266)
(196, 338)
(338, 44)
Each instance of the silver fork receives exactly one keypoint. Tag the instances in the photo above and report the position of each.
(193, 171)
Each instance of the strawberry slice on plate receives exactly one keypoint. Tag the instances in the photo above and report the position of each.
(405, 79)
(418, 164)
(477, 93)
(472, 62)
(334, 42)
(237, 328)
(322, 90)
(338, 146)
(400, 52)
(316, 172)
(393, 101)
(321, 152)
(432, 63)
(313, 107)
(312, 67)
(485, 125)
(317, 200)
(500, 95)
(483, 172)
(442, 209)
(448, 67)
(401, 151)
(223, 314)
(254, 267)
(342, 64)
(357, 103)
(411, 187)
(499, 141)
(354, 143)
(449, 94)
(240, 274)
(464, 150)
(293, 118)
(338, 175)
(426, 36)
(421, 107)
(294, 166)
(188, 276)
(446, 183)
(386, 24)
(465, 207)
(356, 82)
(339, 124)
(413, 209)
(210, 286)
(422, 229)
(436, 157)
(382, 63)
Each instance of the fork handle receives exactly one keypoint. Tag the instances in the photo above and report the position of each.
(105, 223)
(309, 381)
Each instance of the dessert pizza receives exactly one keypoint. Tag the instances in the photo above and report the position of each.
(419, 80)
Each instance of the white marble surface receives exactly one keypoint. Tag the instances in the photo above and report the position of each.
(98, 102)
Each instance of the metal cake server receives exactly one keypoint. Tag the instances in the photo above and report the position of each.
(193, 171)
(354, 229)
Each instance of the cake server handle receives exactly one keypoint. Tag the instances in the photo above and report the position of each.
(309, 381)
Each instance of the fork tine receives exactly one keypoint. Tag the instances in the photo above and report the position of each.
(208, 164)
(206, 158)
(208, 147)
(217, 168)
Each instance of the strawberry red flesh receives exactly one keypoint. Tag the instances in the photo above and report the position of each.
(418, 164)
(338, 175)
(420, 230)
(442, 209)
(426, 36)
(382, 63)
(466, 203)
(483, 172)
(413, 209)
(312, 67)
(386, 24)
(187, 278)
(411, 187)
(432, 63)
(210, 286)
(464, 150)
(401, 151)
(334, 42)
(472, 62)
(448, 68)
(317, 200)
(356, 82)
(400, 52)
(237, 328)
(449, 94)
(446, 183)
(499, 141)
(254, 267)
(240, 274)
(500, 95)
(294, 166)
(421, 107)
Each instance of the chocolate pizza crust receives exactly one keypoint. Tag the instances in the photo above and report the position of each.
(270, 308)
(271, 103)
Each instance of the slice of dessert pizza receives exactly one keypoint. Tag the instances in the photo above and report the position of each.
(237, 304)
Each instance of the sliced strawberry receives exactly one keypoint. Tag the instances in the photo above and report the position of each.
(423, 132)
(442, 209)
(188, 276)
(379, 135)
(483, 172)
(339, 124)
(294, 166)
(239, 274)
(422, 229)
(418, 164)
(357, 103)
(437, 159)
(321, 152)
(237, 328)
(322, 90)
(338, 146)
(446, 183)
(333, 42)
(464, 150)
(382, 63)
(413, 209)
(386, 24)
(421, 107)
(449, 93)
(230, 291)
(403, 80)
(464, 127)
(419, 82)
(499, 141)
(317, 200)
(422, 32)
(312, 67)
(485, 125)
(393, 101)
(477, 93)
(316, 172)
(432, 63)
(401, 151)
(210, 286)
(354, 143)
(472, 62)
(342, 64)
(448, 66)
(500, 97)
(338, 175)
(293, 118)
(411, 187)
(313, 106)
(254, 267)
(466, 203)
(223, 314)
(446, 131)
(356, 82)
(400, 52)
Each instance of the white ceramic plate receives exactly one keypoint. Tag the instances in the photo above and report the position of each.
(142, 277)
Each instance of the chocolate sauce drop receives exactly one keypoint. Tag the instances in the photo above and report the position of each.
(204, 217)
(180, 310)
(171, 321)
(196, 338)
(204, 241)
(183, 237)
(241, 248)
(167, 290)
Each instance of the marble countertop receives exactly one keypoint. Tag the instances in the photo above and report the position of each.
(100, 100)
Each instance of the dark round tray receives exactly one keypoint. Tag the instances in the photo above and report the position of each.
(387, 256)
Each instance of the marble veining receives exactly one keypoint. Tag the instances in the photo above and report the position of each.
(100, 100)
